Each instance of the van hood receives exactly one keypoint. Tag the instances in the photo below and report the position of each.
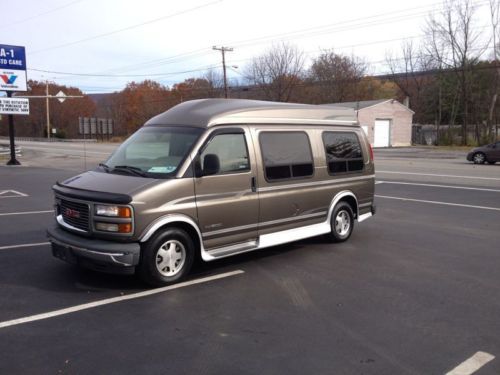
(107, 182)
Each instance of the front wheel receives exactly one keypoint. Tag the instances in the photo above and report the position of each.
(479, 158)
(167, 257)
(342, 222)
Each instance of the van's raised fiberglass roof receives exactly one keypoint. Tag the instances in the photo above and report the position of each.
(210, 112)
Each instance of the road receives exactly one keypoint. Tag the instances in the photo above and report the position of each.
(416, 290)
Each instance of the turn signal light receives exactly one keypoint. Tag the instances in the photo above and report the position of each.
(114, 227)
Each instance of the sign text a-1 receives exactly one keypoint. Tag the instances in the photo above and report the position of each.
(14, 106)
(12, 68)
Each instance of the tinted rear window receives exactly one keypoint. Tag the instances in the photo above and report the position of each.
(286, 155)
(343, 152)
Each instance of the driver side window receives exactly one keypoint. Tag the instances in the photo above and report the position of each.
(231, 149)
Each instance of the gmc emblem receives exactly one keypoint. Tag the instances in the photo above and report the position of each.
(72, 213)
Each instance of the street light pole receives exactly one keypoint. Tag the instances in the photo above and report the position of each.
(224, 50)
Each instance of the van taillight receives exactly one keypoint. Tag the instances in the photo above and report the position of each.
(371, 152)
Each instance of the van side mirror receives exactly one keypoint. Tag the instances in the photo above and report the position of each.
(211, 165)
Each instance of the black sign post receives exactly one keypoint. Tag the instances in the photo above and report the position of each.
(13, 160)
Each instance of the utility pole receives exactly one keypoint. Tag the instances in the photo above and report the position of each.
(224, 50)
(60, 96)
(47, 106)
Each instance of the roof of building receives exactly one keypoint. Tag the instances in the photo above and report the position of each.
(359, 104)
(362, 104)
(209, 112)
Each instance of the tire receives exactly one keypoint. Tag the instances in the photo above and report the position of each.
(342, 222)
(167, 257)
(479, 158)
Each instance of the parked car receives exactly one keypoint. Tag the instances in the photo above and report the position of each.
(215, 178)
(485, 154)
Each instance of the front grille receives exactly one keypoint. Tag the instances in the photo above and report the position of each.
(75, 214)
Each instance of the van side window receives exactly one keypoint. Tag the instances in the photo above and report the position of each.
(343, 152)
(286, 155)
(232, 152)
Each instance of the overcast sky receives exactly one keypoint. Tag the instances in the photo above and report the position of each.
(162, 39)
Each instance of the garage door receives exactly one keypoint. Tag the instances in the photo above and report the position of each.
(382, 131)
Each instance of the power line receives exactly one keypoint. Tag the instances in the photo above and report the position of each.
(355, 23)
(293, 34)
(209, 67)
(40, 14)
(173, 58)
(127, 28)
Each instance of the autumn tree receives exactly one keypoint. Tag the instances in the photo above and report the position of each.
(336, 77)
(63, 116)
(278, 72)
(197, 88)
(141, 101)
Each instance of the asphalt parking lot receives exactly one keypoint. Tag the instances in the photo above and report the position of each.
(416, 290)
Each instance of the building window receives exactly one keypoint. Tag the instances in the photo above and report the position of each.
(286, 155)
(343, 152)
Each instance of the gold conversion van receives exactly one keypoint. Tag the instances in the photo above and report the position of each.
(215, 178)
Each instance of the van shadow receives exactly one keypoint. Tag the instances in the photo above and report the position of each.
(65, 278)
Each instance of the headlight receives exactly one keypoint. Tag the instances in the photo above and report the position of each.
(113, 211)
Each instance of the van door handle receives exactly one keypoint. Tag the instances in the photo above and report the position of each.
(254, 185)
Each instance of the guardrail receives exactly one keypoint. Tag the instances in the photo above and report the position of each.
(34, 139)
(5, 150)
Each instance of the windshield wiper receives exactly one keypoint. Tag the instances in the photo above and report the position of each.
(133, 170)
(105, 167)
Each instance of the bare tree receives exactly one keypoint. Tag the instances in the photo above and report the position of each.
(495, 18)
(406, 71)
(417, 77)
(337, 77)
(215, 83)
(455, 44)
(277, 72)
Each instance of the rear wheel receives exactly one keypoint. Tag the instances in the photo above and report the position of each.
(167, 257)
(342, 222)
(479, 158)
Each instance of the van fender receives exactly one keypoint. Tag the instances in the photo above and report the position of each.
(336, 199)
(160, 222)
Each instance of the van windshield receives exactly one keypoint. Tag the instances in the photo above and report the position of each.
(153, 151)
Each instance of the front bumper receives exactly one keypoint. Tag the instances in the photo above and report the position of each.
(469, 156)
(99, 255)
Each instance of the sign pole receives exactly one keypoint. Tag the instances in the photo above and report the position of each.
(12, 78)
(13, 160)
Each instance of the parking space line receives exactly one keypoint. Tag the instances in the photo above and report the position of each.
(472, 364)
(437, 202)
(440, 186)
(26, 213)
(441, 175)
(108, 301)
(24, 245)
(13, 194)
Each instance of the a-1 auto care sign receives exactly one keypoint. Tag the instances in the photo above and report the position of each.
(12, 68)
